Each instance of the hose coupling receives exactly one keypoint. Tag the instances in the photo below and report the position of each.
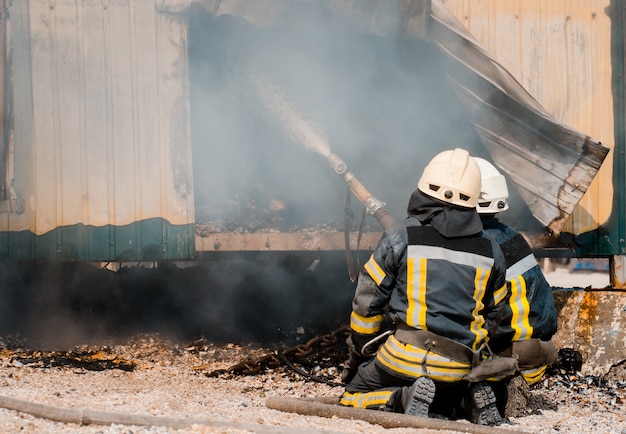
(372, 205)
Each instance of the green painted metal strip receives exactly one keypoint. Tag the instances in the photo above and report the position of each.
(147, 240)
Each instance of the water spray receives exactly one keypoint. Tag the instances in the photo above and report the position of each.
(305, 132)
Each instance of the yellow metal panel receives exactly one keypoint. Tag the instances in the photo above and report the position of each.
(146, 73)
(97, 157)
(122, 123)
(46, 128)
(173, 103)
(68, 75)
(110, 115)
(559, 50)
(21, 156)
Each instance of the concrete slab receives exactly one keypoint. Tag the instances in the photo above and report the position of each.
(593, 322)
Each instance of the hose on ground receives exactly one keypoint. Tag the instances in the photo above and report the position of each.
(94, 417)
(328, 407)
(323, 407)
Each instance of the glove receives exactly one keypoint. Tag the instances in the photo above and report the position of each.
(351, 367)
(355, 358)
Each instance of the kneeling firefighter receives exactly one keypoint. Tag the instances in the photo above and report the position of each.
(442, 283)
(528, 317)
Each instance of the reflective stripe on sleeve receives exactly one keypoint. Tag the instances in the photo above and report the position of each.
(374, 270)
(520, 309)
(365, 325)
(499, 294)
(478, 323)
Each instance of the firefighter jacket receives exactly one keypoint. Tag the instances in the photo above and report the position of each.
(434, 271)
(529, 311)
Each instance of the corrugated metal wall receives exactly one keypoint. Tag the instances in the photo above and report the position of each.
(101, 133)
(560, 51)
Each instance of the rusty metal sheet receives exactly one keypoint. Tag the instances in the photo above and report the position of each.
(593, 323)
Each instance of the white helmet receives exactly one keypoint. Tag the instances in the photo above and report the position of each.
(494, 194)
(452, 177)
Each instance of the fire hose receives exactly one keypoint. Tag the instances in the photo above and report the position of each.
(82, 416)
(373, 206)
(329, 407)
(324, 407)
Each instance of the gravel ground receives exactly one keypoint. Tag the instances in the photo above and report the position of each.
(151, 376)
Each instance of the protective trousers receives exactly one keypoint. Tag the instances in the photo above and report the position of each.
(379, 383)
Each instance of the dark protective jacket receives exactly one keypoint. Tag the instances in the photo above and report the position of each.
(433, 271)
(529, 310)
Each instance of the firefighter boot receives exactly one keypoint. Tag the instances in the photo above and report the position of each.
(418, 397)
(481, 405)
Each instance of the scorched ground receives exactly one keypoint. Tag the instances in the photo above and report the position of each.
(152, 376)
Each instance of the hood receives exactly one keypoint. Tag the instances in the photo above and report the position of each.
(450, 221)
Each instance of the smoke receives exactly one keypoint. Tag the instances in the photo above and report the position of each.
(296, 127)
(247, 298)
(267, 105)
(264, 98)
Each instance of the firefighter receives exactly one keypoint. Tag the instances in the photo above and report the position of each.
(441, 283)
(528, 318)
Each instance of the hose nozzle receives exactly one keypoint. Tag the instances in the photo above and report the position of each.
(337, 164)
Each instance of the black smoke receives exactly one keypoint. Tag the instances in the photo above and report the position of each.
(242, 298)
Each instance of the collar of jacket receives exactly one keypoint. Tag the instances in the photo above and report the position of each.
(449, 220)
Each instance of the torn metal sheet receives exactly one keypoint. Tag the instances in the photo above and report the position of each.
(559, 162)
(594, 324)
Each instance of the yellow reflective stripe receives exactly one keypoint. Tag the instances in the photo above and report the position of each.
(416, 294)
(413, 354)
(410, 291)
(477, 324)
(499, 294)
(520, 309)
(407, 360)
(532, 376)
(374, 270)
(366, 399)
(365, 325)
